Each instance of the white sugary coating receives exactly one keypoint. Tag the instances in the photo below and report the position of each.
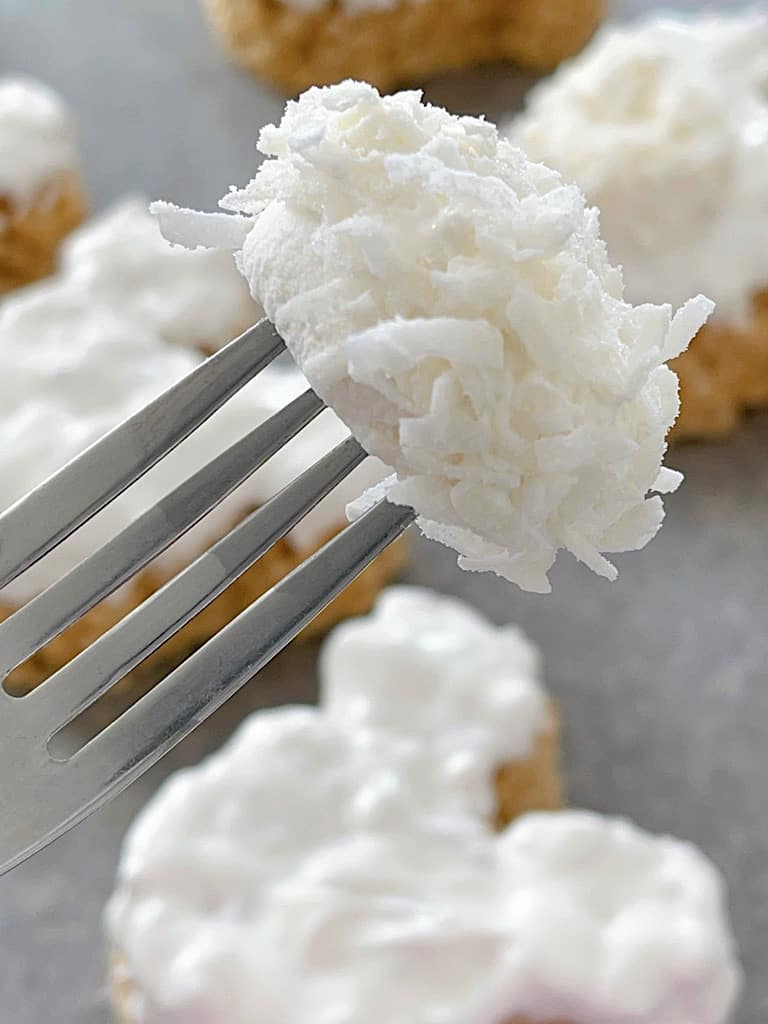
(664, 124)
(636, 920)
(334, 865)
(454, 304)
(190, 298)
(37, 138)
(431, 667)
(73, 368)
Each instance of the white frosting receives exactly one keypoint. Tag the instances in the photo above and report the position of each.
(37, 138)
(335, 865)
(73, 368)
(413, 667)
(190, 298)
(453, 303)
(664, 124)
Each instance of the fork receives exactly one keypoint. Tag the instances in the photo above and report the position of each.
(43, 795)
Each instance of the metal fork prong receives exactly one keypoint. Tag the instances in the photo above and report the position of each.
(186, 697)
(73, 688)
(41, 520)
(52, 611)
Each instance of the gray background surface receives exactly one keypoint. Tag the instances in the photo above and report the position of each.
(661, 675)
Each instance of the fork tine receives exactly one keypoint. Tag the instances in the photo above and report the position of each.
(73, 688)
(38, 522)
(48, 614)
(68, 791)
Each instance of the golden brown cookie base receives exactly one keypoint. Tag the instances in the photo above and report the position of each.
(723, 373)
(295, 49)
(531, 784)
(29, 238)
(357, 599)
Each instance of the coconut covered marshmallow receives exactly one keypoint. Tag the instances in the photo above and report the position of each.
(453, 302)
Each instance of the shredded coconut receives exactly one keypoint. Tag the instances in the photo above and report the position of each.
(454, 304)
(664, 124)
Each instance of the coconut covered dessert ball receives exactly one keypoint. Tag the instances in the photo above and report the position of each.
(664, 124)
(298, 43)
(41, 193)
(454, 303)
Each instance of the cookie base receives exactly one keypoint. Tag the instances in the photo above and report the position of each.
(723, 373)
(30, 237)
(356, 599)
(533, 783)
(294, 49)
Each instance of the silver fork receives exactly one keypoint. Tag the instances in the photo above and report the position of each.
(41, 796)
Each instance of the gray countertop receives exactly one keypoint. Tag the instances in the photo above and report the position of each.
(661, 676)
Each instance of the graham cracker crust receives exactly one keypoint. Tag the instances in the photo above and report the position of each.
(294, 49)
(30, 236)
(533, 783)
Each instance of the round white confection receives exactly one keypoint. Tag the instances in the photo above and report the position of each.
(454, 304)
(190, 298)
(664, 124)
(37, 139)
(336, 865)
(73, 368)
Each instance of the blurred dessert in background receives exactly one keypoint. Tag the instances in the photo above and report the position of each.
(453, 303)
(121, 260)
(664, 124)
(345, 863)
(41, 193)
(97, 342)
(298, 43)
(433, 669)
